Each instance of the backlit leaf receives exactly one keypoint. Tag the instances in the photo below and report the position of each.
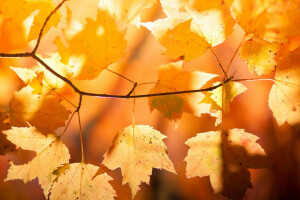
(44, 112)
(175, 35)
(284, 98)
(128, 10)
(172, 78)
(98, 45)
(259, 55)
(80, 182)
(225, 157)
(14, 12)
(51, 153)
(136, 150)
(211, 19)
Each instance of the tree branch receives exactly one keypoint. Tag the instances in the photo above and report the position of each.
(44, 25)
(15, 55)
(215, 56)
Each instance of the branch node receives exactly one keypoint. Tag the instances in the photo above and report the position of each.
(134, 86)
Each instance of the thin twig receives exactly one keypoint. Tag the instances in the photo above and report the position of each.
(133, 88)
(64, 98)
(44, 25)
(55, 73)
(253, 79)
(81, 138)
(153, 95)
(216, 57)
(119, 75)
(15, 55)
(232, 58)
(68, 124)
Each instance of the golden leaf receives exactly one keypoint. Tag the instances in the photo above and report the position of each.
(51, 153)
(80, 182)
(136, 150)
(175, 35)
(128, 10)
(44, 112)
(225, 157)
(259, 55)
(284, 98)
(211, 19)
(98, 45)
(172, 78)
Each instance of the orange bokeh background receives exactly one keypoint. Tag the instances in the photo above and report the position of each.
(102, 118)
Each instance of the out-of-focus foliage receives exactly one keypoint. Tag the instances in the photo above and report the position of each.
(187, 58)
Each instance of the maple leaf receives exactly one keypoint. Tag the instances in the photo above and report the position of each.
(40, 79)
(175, 35)
(24, 8)
(211, 19)
(44, 112)
(80, 182)
(51, 153)
(284, 98)
(268, 20)
(51, 81)
(220, 98)
(5, 145)
(259, 55)
(173, 8)
(80, 12)
(225, 156)
(247, 14)
(98, 45)
(31, 77)
(291, 45)
(128, 10)
(172, 78)
(136, 150)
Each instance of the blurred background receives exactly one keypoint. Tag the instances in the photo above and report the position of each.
(102, 118)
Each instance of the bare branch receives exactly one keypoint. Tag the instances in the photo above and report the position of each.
(44, 25)
(15, 55)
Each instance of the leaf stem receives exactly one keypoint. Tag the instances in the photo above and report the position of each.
(253, 79)
(81, 138)
(237, 49)
(217, 59)
(44, 25)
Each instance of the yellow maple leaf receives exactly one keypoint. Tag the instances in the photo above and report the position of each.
(259, 55)
(80, 182)
(175, 35)
(211, 19)
(14, 12)
(173, 8)
(250, 15)
(99, 44)
(136, 150)
(44, 112)
(128, 10)
(172, 78)
(224, 156)
(284, 98)
(51, 153)
(31, 77)
(40, 79)
(51, 81)
(220, 98)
